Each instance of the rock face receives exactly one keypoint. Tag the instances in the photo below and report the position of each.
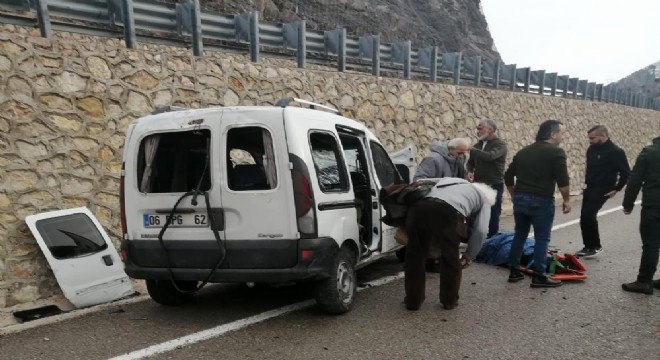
(645, 81)
(452, 25)
(63, 120)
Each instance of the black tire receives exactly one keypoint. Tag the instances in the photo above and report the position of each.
(164, 292)
(335, 295)
(401, 254)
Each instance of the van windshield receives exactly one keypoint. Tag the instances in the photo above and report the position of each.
(174, 162)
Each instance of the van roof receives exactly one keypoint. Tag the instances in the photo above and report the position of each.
(159, 120)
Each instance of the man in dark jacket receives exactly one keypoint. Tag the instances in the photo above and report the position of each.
(646, 176)
(605, 163)
(486, 165)
(536, 169)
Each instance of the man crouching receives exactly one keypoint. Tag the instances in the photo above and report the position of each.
(438, 221)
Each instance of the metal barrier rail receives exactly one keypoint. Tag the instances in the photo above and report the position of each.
(186, 22)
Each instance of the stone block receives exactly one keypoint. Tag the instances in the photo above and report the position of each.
(92, 106)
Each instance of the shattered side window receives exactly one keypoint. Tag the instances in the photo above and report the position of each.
(71, 236)
(252, 165)
(328, 162)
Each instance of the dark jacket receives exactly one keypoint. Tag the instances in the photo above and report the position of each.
(645, 176)
(488, 164)
(439, 164)
(605, 162)
(536, 168)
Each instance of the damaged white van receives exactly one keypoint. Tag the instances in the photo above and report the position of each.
(264, 194)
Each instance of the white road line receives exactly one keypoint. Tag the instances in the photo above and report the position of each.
(242, 323)
(233, 326)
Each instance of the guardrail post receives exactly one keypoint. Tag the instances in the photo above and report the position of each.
(514, 78)
(129, 24)
(254, 36)
(406, 59)
(553, 84)
(599, 92)
(375, 55)
(301, 54)
(42, 17)
(528, 78)
(497, 74)
(541, 81)
(341, 51)
(196, 15)
(457, 68)
(433, 71)
(477, 71)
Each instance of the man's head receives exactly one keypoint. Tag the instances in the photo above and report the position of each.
(598, 135)
(486, 129)
(458, 147)
(551, 131)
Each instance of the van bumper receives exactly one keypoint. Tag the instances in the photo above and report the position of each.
(317, 267)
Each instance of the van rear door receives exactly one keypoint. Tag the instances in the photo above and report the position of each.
(256, 189)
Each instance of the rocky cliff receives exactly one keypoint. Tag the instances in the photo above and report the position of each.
(452, 25)
(645, 81)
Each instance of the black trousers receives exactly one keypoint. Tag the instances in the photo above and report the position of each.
(432, 222)
(649, 229)
(593, 200)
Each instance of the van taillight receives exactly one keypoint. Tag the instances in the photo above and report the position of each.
(302, 193)
(122, 202)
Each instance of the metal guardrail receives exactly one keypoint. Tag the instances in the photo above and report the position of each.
(186, 22)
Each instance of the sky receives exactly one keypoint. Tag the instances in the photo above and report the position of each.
(598, 40)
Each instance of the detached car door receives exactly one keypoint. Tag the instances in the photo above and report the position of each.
(81, 255)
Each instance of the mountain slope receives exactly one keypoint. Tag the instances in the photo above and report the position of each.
(452, 25)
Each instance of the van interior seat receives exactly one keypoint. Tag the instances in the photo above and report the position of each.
(248, 177)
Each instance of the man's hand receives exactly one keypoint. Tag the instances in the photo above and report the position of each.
(465, 262)
(611, 194)
(627, 211)
(566, 206)
(470, 176)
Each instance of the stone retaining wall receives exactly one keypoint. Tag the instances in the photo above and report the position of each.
(65, 103)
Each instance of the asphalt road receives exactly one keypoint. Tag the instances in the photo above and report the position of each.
(593, 319)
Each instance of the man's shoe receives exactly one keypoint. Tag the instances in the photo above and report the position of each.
(544, 282)
(656, 284)
(583, 251)
(515, 276)
(592, 253)
(639, 287)
(450, 306)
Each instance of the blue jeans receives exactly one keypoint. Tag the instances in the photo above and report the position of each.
(539, 211)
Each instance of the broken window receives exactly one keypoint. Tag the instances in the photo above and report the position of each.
(174, 162)
(251, 164)
(385, 169)
(328, 162)
(71, 236)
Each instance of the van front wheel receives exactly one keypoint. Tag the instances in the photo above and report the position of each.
(164, 292)
(335, 295)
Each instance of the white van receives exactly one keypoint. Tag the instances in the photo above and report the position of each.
(265, 194)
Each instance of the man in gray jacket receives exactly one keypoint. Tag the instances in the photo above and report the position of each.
(446, 159)
(438, 222)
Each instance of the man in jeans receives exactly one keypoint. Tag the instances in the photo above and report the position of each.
(605, 163)
(646, 176)
(486, 165)
(535, 170)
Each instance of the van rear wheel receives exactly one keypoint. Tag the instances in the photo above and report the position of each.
(336, 294)
(164, 292)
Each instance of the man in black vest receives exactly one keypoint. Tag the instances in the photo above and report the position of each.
(605, 163)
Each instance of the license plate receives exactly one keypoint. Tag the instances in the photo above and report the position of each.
(177, 220)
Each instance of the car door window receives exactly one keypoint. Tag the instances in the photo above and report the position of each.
(385, 169)
(328, 162)
(251, 164)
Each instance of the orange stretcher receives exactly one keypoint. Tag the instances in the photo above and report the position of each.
(564, 267)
